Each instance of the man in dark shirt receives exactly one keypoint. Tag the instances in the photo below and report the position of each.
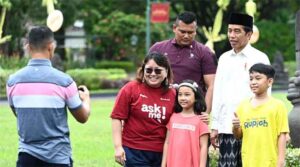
(189, 59)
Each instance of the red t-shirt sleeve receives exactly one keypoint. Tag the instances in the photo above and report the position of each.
(122, 103)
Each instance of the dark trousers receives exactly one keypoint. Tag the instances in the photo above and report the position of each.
(208, 144)
(142, 158)
(27, 160)
(230, 151)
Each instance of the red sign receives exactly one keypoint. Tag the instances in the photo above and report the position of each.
(160, 12)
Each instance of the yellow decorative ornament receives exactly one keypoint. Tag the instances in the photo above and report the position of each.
(55, 17)
(49, 4)
(5, 5)
(255, 36)
(251, 10)
(55, 20)
(212, 34)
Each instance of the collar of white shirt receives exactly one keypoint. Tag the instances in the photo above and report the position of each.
(246, 51)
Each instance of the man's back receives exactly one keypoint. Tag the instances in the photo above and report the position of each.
(39, 95)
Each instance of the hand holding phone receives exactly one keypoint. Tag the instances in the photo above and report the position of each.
(81, 89)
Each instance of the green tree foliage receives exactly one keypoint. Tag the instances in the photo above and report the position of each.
(92, 11)
(284, 41)
(274, 19)
(277, 31)
(115, 32)
(22, 14)
(5, 4)
(111, 23)
(19, 16)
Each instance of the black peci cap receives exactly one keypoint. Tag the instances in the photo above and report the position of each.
(241, 19)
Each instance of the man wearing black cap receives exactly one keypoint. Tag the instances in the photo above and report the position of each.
(231, 86)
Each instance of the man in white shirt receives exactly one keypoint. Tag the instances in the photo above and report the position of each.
(231, 86)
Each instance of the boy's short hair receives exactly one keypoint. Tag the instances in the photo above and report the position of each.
(265, 69)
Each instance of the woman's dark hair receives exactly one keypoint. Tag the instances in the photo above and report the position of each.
(162, 61)
(199, 105)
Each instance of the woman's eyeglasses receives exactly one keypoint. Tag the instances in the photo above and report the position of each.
(156, 70)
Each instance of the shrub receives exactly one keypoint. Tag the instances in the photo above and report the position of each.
(291, 66)
(110, 84)
(88, 77)
(116, 74)
(126, 65)
(98, 78)
(292, 156)
(4, 74)
(213, 157)
(13, 62)
(94, 79)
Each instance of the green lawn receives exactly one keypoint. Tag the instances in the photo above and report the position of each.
(282, 96)
(91, 142)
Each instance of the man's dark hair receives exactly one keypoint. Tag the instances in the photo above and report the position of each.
(186, 17)
(265, 69)
(247, 29)
(39, 37)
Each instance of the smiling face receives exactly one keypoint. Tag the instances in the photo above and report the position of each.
(237, 36)
(184, 33)
(186, 98)
(154, 74)
(259, 83)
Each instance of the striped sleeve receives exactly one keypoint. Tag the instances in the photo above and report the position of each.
(72, 97)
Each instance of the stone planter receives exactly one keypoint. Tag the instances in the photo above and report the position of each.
(294, 115)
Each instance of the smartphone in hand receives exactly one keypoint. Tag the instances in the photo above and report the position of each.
(80, 89)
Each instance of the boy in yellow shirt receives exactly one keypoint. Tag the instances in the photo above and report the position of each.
(261, 122)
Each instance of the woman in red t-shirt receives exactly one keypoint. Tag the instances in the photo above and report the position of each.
(142, 109)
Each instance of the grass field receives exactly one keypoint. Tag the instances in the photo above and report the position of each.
(91, 142)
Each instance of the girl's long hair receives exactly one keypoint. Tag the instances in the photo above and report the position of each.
(199, 105)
